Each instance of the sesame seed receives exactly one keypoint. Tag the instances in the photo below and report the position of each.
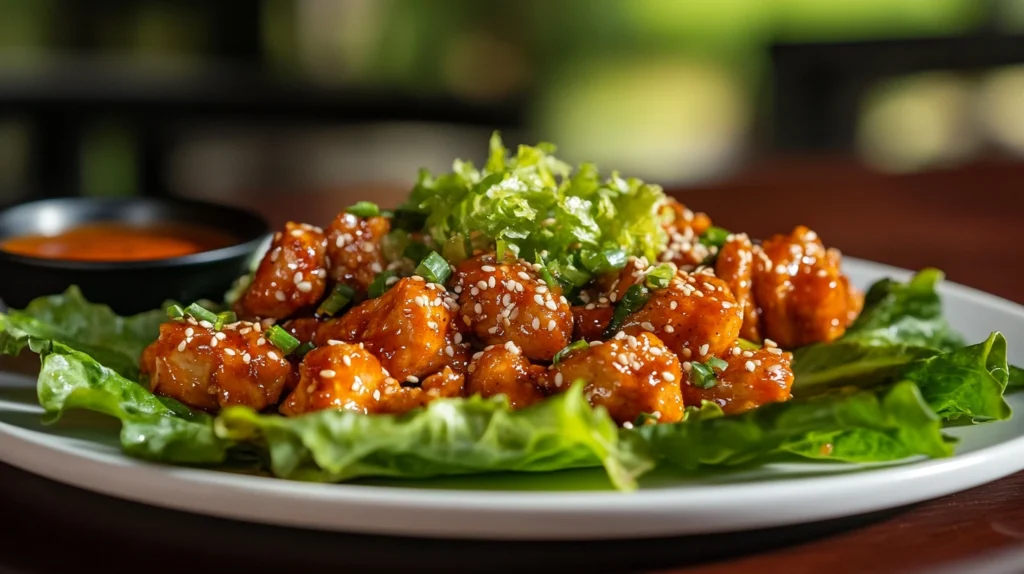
(726, 305)
(333, 342)
(481, 285)
(260, 342)
(687, 366)
(206, 324)
(478, 308)
(622, 359)
(647, 326)
(327, 374)
(487, 269)
(213, 341)
(220, 335)
(524, 276)
(431, 325)
(551, 305)
(687, 352)
(296, 233)
(552, 325)
(558, 379)
(535, 323)
(670, 329)
(273, 356)
(181, 347)
(246, 358)
(297, 278)
(704, 349)
(774, 350)
(304, 286)
(412, 379)
(368, 247)
(511, 347)
(490, 281)
(280, 296)
(749, 365)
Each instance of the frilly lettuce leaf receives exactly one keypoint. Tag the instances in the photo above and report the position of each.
(859, 426)
(902, 335)
(905, 314)
(448, 437)
(1015, 379)
(535, 203)
(114, 341)
(153, 428)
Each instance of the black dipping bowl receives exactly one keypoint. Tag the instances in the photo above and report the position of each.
(132, 286)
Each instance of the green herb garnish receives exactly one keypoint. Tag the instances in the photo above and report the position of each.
(434, 268)
(568, 350)
(660, 276)
(340, 297)
(364, 209)
(380, 284)
(702, 376)
(200, 313)
(281, 339)
(634, 298)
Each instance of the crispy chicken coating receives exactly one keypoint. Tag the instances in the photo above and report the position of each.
(696, 316)
(409, 328)
(752, 379)
(803, 295)
(503, 370)
(628, 375)
(291, 277)
(339, 376)
(354, 249)
(507, 301)
(735, 266)
(209, 369)
(447, 383)
(684, 228)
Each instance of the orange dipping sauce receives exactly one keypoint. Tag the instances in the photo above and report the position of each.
(120, 242)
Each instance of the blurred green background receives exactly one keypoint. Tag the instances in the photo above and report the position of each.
(676, 92)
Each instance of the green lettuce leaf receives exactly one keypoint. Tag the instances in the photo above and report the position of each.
(153, 428)
(114, 341)
(535, 204)
(448, 437)
(880, 425)
(905, 314)
(1015, 379)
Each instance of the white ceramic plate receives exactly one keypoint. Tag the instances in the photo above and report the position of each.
(82, 451)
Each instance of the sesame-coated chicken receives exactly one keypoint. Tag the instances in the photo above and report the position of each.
(503, 370)
(339, 376)
(507, 301)
(735, 266)
(446, 383)
(696, 316)
(751, 379)
(409, 328)
(591, 320)
(684, 228)
(354, 249)
(628, 375)
(209, 369)
(291, 277)
(803, 296)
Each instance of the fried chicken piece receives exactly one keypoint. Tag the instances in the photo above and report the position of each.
(803, 295)
(628, 375)
(208, 369)
(291, 277)
(751, 379)
(507, 301)
(503, 370)
(339, 376)
(735, 266)
(354, 249)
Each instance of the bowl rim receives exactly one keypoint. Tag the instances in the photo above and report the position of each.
(243, 248)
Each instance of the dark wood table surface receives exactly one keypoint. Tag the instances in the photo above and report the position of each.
(968, 221)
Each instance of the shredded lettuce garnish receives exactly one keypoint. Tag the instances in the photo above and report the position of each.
(537, 207)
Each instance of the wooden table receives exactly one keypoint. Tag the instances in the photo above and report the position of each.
(967, 221)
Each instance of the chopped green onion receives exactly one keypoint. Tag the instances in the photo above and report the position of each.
(387, 213)
(546, 276)
(224, 318)
(569, 273)
(340, 297)
(364, 209)
(502, 248)
(200, 313)
(434, 268)
(702, 376)
(714, 237)
(281, 339)
(573, 347)
(175, 312)
(716, 363)
(380, 284)
(603, 261)
(645, 419)
(634, 298)
(303, 349)
(746, 345)
(660, 276)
